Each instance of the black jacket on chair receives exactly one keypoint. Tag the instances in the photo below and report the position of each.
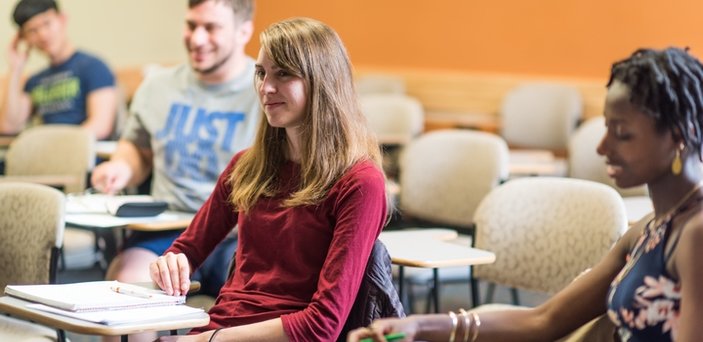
(377, 297)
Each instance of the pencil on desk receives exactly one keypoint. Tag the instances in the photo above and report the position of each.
(389, 337)
(130, 292)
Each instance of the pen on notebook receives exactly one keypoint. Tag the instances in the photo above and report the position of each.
(130, 292)
(390, 337)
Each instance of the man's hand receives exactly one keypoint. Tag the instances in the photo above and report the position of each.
(18, 52)
(110, 177)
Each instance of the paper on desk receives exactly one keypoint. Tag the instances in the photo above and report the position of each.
(107, 220)
(100, 203)
(116, 317)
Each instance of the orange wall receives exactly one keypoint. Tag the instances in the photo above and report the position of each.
(575, 38)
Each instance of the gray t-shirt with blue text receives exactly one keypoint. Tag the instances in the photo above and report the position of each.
(193, 129)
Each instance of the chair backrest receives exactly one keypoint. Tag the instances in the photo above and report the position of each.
(444, 174)
(31, 231)
(540, 115)
(584, 161)
(393, 115)
(380, 84)
(545, 231)
(53, 150)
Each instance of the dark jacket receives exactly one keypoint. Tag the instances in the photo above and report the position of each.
(377, 297)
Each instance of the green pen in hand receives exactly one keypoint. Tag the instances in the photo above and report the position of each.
(389, 337)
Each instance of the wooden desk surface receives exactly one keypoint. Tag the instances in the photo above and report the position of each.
(536, 163)
(51, 180)
(18, 308)
(180, 221)
(168, 220)
(400, 236)
(480, 121)
(416, 248)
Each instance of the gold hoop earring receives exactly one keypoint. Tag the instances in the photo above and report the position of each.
(676, 165)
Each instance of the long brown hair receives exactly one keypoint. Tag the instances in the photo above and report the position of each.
(335, 134)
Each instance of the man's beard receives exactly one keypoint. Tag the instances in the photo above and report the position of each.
(216, 66)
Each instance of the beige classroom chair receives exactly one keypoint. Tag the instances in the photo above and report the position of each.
(545, 231)
(31, 229)
(444, 175)
(396, 119)
(540, 115)
(65, 152)
(53, 150)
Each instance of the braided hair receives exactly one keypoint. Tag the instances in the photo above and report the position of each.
(668, 86)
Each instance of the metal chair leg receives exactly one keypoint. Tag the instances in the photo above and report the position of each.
(490, 292)
(474, 289)
(60, 335)
(514, 295)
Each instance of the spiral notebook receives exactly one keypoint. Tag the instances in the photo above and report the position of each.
(138, 315)
(93, 296)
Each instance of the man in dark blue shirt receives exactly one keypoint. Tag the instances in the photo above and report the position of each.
(76, 88)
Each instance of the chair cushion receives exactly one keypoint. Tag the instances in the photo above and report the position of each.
(12, 329)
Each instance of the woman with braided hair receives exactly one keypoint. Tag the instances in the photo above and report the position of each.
(650, 284)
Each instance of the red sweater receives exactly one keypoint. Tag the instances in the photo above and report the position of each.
(303, 264)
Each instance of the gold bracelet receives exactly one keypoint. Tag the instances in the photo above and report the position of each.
(467, 324)
(455, 323)
(477, 324)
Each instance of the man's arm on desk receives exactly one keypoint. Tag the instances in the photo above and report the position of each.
(129, 166)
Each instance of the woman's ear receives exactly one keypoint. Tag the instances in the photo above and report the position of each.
(676, 136)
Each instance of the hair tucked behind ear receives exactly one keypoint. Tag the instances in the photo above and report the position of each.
(335, 134)
(667, 85)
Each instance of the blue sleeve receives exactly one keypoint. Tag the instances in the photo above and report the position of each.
(30, 84)
(95, 74)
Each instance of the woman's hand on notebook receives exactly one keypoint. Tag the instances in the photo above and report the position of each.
(172, 273)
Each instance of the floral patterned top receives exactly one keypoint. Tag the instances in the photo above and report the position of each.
(644, 299)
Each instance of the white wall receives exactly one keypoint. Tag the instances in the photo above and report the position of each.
(124, 33)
